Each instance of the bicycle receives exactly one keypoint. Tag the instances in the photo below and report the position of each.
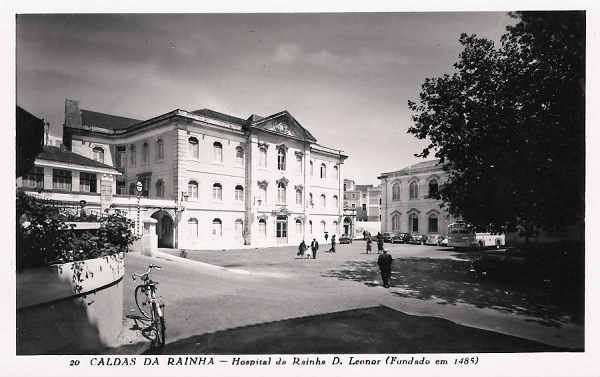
(148, 303)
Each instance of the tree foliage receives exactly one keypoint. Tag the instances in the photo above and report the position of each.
(509, 124)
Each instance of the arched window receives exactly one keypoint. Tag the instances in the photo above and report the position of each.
(323, 201)
(299, 228)
(323, 171)
(239, 193)
(336, 172)
(193, 189)
(396, 191)
(433, 223)
(396, 222)
(98, 154)
(433, 188)
(238, 228)
(312, 172)
(239, 156)
(414, 190)
(262, 195)
(335, 227)
(413, 223)
(281, 158)
(132, 154)
(160, 188)
(298, 164)
(218, 151)
(298, 197)
(281, 193)
(193, 225)
(193, 147)
(262, 227)
(217, 228)
(262, 157)
(160, 149)
(336, 202)
(310, 200)
(217, 191)
(145, 151)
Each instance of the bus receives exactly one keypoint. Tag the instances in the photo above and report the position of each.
(462, 234)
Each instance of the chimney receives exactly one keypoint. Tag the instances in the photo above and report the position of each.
(72, 113)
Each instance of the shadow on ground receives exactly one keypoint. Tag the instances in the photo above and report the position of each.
(370, 330)
(449, 281)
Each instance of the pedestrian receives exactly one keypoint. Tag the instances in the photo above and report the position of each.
(332, 244)
(301, 249)
(326, 237)
(314, 246)
(369, 244)
(385, 267)
(379, 245)
(364, 234)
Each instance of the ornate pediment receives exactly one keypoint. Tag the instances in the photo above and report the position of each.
(299, 187)
(282, 146)
(283, 180)
(281, 211)
(282, 126)
(262, 216)
(299, 154)
(283, 123)
(263, 145)
(263, 183)
(299, 217)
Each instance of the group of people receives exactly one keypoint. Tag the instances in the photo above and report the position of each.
(314, 247)
(379, 243)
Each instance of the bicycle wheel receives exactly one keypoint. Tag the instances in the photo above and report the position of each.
(141, 300)
(159, 326)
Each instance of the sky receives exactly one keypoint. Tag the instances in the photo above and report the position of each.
(346, 77)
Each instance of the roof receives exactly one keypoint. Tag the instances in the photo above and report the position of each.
(217, 115)
(255, 117)
(363, 187)
(424, 165)
(112, 122)
(57, 154)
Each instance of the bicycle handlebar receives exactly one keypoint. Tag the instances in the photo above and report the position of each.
(145, 274)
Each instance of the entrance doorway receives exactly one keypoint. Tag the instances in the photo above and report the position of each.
(281, 230)
(164, 229)
(348, 227)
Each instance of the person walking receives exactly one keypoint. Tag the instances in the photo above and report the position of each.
(301, 249)
(326, 237)
(332, 244)
(314, 246)
(385, 268)
(369, 242)
(364, 234)
(379, 245)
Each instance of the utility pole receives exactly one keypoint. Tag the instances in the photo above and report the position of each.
(138, 187)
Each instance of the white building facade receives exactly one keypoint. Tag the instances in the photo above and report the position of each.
(407, 202)
(212, 180)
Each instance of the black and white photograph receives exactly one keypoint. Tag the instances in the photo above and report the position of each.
(375, 189)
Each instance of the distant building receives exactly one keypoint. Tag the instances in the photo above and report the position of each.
(407, 200)
(361, 203)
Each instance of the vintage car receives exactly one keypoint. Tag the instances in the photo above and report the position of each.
(345, 239)
(417, 239)
(400, 237)
(387, 237)
(434, 239)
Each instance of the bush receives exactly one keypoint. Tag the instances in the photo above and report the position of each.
(44, 238)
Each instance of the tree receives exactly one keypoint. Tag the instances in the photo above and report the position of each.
(509, 124)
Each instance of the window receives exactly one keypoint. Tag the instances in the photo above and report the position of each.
(193, 147)
(262, 197)
(310, 200)
(364, 196)
(121, 189)
(193, 225)
(299, 197)
(217, 191)
(281, 158)
(262, 227)
(281, 193)
(433, 223)
(396, 191)
(311, 169)
(193, 189)
(336, 172)
(61, 179)
(433, 188)
(239, 193)
(323, 171)
(98, 154)
(217, 228)
(160, 150)
(239, 156)
(298, 164)
(145, 179)
(160, 188)
(132, 188)
(396, 223)
(218, 151)
(87, 182)
(281, 227)
(310, 227)
(145, 151)
(414, 190)
(336, 202)
(262, 160)
(323, 226)
(238, 228)
(364, 207)
(299, 228)
(34, 179)
(132, 153)
(121, 160)
(323, 201)
(413, 222)
(335, 227)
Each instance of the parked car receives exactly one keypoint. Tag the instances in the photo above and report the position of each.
(417, 239)
(400, 238)
(434, 239)
(444, 242)
(345, 239)
(387, 237)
